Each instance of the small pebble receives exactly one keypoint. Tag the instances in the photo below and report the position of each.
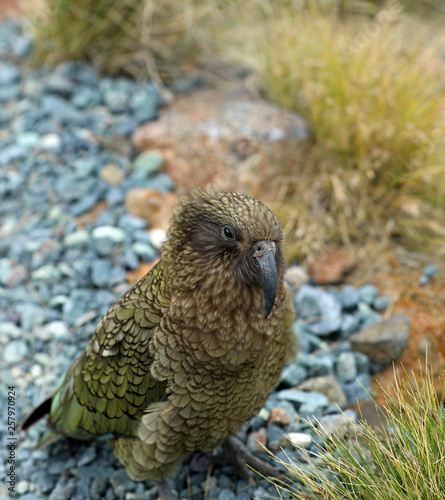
(368, 294)
(147, 163)
(115, 234)
(299, 439)
(157, 237)
(51, 142)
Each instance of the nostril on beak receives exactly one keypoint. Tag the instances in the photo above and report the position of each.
(261, 248)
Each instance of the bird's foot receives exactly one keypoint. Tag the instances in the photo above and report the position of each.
(246, 462)
(165, 493)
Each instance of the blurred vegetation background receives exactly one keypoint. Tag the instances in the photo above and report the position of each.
(369, 77)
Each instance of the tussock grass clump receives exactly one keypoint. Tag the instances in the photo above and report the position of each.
(404, 461)
(137, 37)
(372, 88)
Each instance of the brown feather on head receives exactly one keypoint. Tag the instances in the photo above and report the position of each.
(225, 233)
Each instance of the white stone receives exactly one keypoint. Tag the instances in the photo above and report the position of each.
(115, 234)
(157, 237)
(76, 239)
(14, 352)
(50, 141)
(300, 439)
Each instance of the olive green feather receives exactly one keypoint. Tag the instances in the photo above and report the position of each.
(191, 352)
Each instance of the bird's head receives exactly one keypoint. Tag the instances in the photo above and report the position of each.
(217, 239)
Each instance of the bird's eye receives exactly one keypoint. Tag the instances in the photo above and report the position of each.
(228, 233)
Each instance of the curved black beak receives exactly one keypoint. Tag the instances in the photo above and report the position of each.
(264, 253)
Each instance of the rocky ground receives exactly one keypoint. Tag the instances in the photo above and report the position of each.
(83, 214)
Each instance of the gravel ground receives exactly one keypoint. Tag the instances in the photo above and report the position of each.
(60, 130)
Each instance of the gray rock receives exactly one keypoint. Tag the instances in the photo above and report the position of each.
(27, 496)
(319, 310)
(339, 424)
(115, 100)
(257, 422)
(292, 375)
(9, 74)
(145, 252)
(274, 436)
(329, 386)
(14, 352)
(9, 329)
(98, 488)
(87, 97)
(349, 325)
(147, 163)
(361, 362)
(381, 303)
(368, 293)
(60, 84)
(318, 365)
(147, 112)
(298, 397)
(80, 302)
(132, 223)
(85, 204)
(121, 482)
(345, 367)
(385, 341)
(6, 271)
(359, 389)
(28, 139)
(31, 316)
(428, 272)
(115, 196)
(117, 276)
(366, 315)
(349, 298)
(88, 456)
(104, 247)
(130, 260)
(47, 274)
(115, 234)
(101, 271)
(310, 411)
(226, 494)
(12, 153)
(53, 330)
(79, 238)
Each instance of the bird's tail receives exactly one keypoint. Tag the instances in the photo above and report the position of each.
(36, 414)
(33, 417)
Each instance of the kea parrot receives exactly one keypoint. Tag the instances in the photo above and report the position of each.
(190, 353)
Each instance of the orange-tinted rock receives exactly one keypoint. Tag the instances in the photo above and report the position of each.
(151, 205)
(215, 136)
(112, 174)
(256, 441)
(370, 412)
(331, 266)
(395, 271)
(278, 416)
(10, 8)
(91, 216)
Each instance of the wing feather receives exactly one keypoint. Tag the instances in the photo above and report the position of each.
(107, 389)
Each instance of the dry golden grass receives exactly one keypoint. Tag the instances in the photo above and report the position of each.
(404, 461)
(142, 38)
(370, 82)
(373, 91)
